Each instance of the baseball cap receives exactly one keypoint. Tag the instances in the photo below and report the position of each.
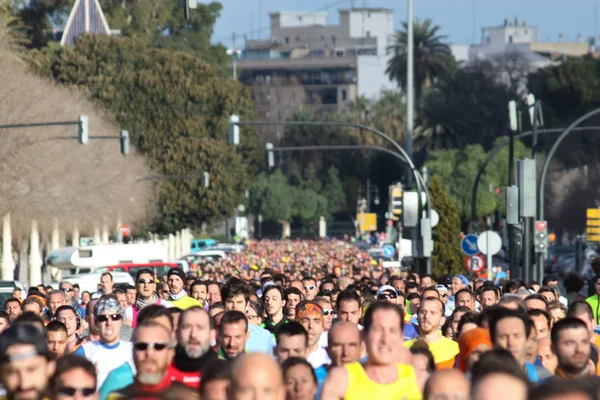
(386, 288)
(24, 334)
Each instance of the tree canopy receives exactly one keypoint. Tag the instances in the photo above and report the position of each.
(176, 109)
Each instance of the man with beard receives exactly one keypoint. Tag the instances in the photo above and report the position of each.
(177, 294)
(571, 344)
(109, 352)
(152, 355)
(431, 318)
(25, 365)
(193, 353)
(233, 334)
(274, 301)
(13, 307)
(145, 286)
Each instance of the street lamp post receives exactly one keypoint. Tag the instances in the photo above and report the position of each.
(234, 53)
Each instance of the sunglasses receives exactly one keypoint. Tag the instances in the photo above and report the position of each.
(165, 292)
(141, 346)
(311, 287)
(385, 296)
(144, 281)
(327, 312)
(70, 391)
(66, 289)
(104, 318)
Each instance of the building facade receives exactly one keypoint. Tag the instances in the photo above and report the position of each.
(333, 63)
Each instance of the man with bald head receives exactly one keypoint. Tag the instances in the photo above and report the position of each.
(344, 347)
(447, 384)
(256, 376)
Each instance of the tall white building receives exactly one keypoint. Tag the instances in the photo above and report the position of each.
(334, 63)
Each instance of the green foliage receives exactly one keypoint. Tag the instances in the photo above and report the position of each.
(160, 23)
(271, 197)
(468, 108)
(278, 198)
(432, 57)
(176, 110)
(447, 258)
(457, 169)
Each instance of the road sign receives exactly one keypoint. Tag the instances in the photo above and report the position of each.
(593, 223)
(391, 264)
(367, 222)
(468, 245)
(124, 229)
(489, 242)
(388, 251)
(435, 217)
(475, 264)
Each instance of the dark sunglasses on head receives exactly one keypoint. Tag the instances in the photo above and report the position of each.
(385, 296)
(66, 289)
(142, 346)
(143, 281)
(70, 391)
(104, 318)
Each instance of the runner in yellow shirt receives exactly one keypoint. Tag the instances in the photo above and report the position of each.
(431, 318)
(380, 377)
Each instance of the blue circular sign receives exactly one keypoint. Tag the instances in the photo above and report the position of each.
(388, 251)
(468, 245)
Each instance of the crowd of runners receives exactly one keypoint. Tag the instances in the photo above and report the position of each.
(302, 320)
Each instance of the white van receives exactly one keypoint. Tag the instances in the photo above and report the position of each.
(210, 255)
(90, 282)
(88, 258)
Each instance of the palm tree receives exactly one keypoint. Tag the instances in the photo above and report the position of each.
(432, 57)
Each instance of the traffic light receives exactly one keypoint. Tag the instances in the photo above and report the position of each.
(270, 155)
(83, 129)
(124, 143)
(518, 239)
(234, 130)
(540, 239)
(396, 200)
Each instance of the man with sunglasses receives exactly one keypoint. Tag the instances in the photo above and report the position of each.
(75, 378)
(145, 284)
(387, 293)
(109, 352)
(153, 351)
(70, 300)
(310, 288)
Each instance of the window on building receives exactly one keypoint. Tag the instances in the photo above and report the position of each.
(300, 18)
(333, 38)
(339, 53)
(287, 40)
(510, 39)
(344, 95)
(297, 38)
(368, 33)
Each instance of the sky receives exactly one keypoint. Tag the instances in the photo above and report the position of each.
(457, 18)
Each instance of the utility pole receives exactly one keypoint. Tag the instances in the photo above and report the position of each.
(234, 53)
(410, 95)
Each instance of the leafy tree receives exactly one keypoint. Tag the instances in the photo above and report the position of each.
(447, 258)
(468, 108)
(387, 115)
(160, 23)
(176, 110)
(432, 57)
(272, 197)
(457, 169)
(333, 191)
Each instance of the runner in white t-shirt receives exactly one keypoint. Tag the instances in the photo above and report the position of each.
(109, 352)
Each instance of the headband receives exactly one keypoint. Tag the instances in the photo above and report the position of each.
(463, 279)
(309, 310)
(107, 304)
